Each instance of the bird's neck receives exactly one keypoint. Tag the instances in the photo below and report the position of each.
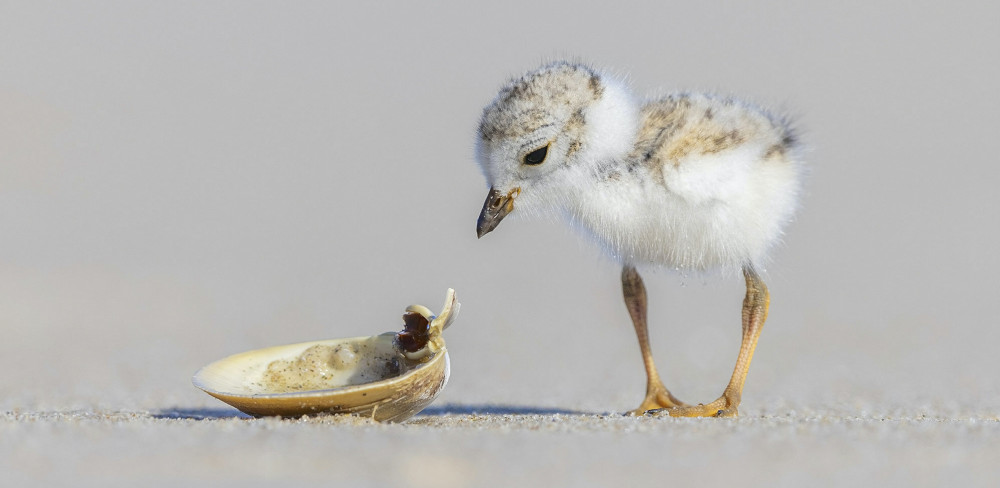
(612, 123)
(612, 126)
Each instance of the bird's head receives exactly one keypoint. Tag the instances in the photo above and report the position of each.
(544, 132)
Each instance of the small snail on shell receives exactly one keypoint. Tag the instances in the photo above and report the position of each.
(389, 377)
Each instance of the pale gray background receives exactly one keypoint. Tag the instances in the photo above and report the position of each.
(184, 180)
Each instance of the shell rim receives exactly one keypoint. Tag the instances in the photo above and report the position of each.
(196, 380)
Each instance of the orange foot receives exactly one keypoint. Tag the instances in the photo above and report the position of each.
(723, 407)
(657, 398)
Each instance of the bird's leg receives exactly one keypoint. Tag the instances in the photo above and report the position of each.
(754, 313)
(657, 395)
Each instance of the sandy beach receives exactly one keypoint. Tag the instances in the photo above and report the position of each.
(448, 447)
(184, 181)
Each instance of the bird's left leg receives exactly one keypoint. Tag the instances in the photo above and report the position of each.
(755, 306)
(657, 395)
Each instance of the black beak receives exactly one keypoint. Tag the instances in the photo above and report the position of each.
(496, 207)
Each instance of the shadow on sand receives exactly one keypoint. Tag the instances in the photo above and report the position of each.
(200, 414)
(486, 409)
(432, 411)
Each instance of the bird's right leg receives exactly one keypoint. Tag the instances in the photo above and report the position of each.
(657, 395)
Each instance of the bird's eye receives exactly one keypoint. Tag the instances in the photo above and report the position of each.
(537, 156)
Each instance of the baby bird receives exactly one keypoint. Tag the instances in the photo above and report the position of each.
(690, 181)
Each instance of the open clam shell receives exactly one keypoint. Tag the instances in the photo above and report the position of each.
(388, 377)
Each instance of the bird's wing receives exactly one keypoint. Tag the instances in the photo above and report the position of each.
(704, 148)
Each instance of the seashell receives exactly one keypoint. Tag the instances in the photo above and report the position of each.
(388, 377)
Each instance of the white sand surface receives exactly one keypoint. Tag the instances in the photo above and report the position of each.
(448, 447)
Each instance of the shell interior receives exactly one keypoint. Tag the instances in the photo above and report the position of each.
(307, 366)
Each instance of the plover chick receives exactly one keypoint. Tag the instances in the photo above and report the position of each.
(689, 181)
